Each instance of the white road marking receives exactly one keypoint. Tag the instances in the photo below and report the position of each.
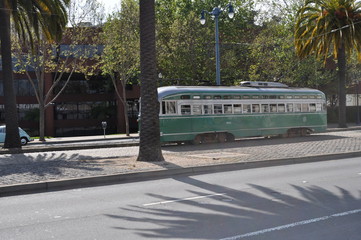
(183, 199)
(295, 224)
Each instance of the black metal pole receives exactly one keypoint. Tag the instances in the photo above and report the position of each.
(357, 103)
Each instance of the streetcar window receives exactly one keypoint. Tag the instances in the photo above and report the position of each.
(163, 107)
(312, 107)
(289, 107)
(227, 97)
(296, 96)
(217, 109)
(185, 109)
(319, 97)
(298, 107)
(246, 108)
(289, 97)
(318, 107)
(273, 107)
(207, 97)
(281, 108)
(228, 108)
(304, 107)
(264, 96)
(273, 97)
(217, 97)
(237, 108)
(207, 109)
(245, 97)
(265, 108)
(185, 97)
(197, 109)
(281, 97)
(196, 97)
(312, 96)
(237, 97)
(255, 108)
(255, 97)
(169, 107)
(304, 96)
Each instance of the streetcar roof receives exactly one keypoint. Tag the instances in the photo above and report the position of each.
(174, 90)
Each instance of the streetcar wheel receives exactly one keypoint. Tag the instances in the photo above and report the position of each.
(222, 137)
(197, 140)
(304, 132)
(230, 137)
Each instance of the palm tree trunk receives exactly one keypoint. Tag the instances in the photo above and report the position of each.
(342, 86)
(149, 144)
(12, 139)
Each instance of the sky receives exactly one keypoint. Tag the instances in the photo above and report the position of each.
(110, 5)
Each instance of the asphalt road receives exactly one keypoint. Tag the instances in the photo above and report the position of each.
(303, 201)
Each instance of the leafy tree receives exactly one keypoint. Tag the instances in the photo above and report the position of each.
(120, 59)
(330, 27)
(53, 64)
(29, 16)
(49, 67)
(149, 144)
(183, 40)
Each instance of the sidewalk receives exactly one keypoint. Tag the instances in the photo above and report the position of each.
(48, 171)
(330, 128)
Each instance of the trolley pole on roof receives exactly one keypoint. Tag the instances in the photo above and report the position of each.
(215, 13)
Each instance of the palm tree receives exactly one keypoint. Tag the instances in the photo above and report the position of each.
(29, 16)
(330, 27)
(149, 145)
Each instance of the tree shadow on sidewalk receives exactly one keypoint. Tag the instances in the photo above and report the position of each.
(251, 142)
(24, 168)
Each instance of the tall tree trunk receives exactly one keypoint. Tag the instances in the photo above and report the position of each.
(41, 122)
(125, 108)
(342, 87)
(149, 144)
(12, 139)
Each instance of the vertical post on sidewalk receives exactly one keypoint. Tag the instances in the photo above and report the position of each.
(104, 126)
(357, 103)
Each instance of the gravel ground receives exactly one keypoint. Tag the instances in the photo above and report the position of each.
(47, 166)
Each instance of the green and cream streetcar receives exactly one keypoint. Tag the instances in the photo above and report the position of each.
(219, 113)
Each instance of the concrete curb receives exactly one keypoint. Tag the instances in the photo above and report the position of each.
(160, 174)
(84, 140)
(65, 148)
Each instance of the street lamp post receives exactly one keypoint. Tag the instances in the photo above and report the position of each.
(215, 13)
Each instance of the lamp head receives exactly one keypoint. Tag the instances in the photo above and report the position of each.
(230, 11)
(203, 18)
